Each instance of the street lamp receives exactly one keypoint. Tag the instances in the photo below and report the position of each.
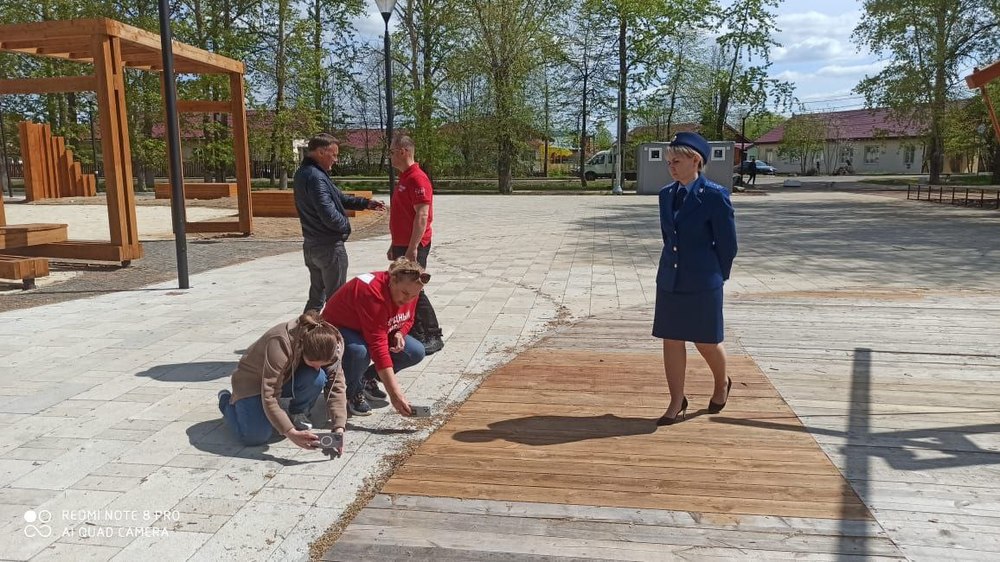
(385, 7)
(178, 212)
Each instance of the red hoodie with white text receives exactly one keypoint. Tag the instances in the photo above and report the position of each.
(365, 305)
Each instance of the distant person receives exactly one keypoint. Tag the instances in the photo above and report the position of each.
(322, 209)
(296, 360)
(818, 166)
(753, 173)
(374, 313)
(699, 244)
(411, 212)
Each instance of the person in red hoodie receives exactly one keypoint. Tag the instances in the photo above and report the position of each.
(374, 313)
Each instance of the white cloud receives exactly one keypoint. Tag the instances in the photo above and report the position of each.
(856, 71)
(813, 36)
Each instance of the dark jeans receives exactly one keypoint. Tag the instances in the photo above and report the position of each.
(327, 271)
(425, 325)
(357, 358)
(246, 417)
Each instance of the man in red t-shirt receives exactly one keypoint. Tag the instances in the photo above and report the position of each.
(411, 212)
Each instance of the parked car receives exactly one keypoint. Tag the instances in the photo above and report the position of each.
(762, 167)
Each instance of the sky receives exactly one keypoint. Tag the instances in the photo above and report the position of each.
(816, 52)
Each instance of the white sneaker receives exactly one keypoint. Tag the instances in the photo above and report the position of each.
(302, 422)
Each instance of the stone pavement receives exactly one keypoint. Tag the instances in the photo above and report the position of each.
(108, 404)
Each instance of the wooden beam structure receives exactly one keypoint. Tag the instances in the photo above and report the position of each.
(49, 85)
(204, 106)
(980, 79)
(112, 46)
(72, 40)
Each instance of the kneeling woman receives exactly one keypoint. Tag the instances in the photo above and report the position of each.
(293, 359)
(374, 312)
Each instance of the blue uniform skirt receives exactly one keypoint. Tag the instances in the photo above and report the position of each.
(694, 317)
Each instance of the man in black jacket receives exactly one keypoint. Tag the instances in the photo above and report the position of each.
(323, 214)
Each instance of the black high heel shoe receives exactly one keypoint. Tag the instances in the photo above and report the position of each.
(664, 420)
(714, 408)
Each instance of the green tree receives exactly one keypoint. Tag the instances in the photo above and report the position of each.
(749, 26)
(508, 38)
(926, 42)
(430, 30)
(803, 140)
(640, 27)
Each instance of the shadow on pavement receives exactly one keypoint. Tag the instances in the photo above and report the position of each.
(555, 430)
(190, 372)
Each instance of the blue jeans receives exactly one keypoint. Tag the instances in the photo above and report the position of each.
(246, 417)
(356, 358)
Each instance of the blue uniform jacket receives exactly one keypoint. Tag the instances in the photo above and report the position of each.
(699, 244)
(321, 206)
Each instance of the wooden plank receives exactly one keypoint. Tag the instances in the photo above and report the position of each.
(31, 156)
(50, 146)
(281, 203)
(198, 190)
(213, 226)
(630, 533)
(49, 85)
(22, 268)
(20, 235)
(80, 250)
(982, 76)
(52, 30)
(182, 52)
(115, 145)
(204, 106)
(241, 152)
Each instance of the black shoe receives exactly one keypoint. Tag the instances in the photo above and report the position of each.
(359, 406)
(664, 420)
(714, 408)
(433, 345)
(372, 391)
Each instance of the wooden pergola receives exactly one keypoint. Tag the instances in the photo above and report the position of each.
(979, 80)
(111, 46)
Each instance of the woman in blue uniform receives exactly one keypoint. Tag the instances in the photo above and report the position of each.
(699, 244)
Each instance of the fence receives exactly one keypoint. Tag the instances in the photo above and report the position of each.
(967, 196)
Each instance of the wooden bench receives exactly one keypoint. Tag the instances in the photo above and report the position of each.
(31, 234)
(23, 269)
(281, 202)
(199, 190)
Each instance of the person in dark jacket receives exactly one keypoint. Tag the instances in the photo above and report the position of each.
(698, 226)
(322, 212)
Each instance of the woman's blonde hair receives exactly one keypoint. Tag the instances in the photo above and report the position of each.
(313, 339)
(687, 151)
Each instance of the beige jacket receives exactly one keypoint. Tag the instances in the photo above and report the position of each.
(259, 373)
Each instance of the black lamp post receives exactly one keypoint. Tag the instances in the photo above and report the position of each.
(385, 7)
(178, 211)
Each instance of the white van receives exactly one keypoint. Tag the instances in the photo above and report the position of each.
(602, 165)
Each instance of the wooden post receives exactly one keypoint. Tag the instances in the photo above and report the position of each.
(163, 95)
(31, 159)
(241, 152)
(115, 145)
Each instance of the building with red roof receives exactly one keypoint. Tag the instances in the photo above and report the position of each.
(861, 141)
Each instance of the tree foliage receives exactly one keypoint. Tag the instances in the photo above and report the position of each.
(926, 42)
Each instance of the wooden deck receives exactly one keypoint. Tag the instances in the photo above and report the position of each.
(556, 456)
